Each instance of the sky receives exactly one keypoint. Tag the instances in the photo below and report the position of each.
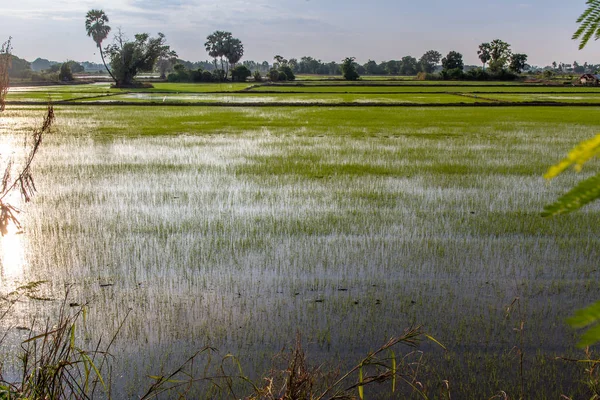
(329, 30)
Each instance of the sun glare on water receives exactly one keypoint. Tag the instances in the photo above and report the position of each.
(13, 255)
(12, 250)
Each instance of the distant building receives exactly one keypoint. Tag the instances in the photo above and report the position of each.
(589, 79)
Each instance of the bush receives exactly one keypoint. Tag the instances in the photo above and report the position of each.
(477, 74)
(206, 76)
(281, 76)
(274, 75)
(427, 76)
(65, 73)
(240, 73)
(453, 74)
(504, 75)
(43, 76)
(289, 74)
(218, 75)
(257, 76)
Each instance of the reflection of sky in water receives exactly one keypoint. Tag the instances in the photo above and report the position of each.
(13, 255)
(11, 245)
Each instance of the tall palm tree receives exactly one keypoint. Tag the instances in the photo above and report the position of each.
(95, 25)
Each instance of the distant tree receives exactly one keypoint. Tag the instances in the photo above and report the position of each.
(392, 67)
(240, 73)
(409, 66)
(129, 58)
(274, 75)
(517, 62)
(484, 53)
(165, 63)
(234, 50)
(75, 67)
(257, 76)
(217, 47)
(96, 27)
(279, 60)
(554, 65)
(499, 55)
(371, 68)
(289, 74)
(40, 64)
(349, 69)
(429, 60)
(454, 60)
(65, 73)
(293, 63)
(19, 68)
(5, 61)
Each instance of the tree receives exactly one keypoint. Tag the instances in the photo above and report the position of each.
(409, 66)
(165, 63)
(5, 59)
(240, 73)
(289, 74)
(393, 67)
(429, 60)
(454, 60)
(517, 62)
(129, 58)
(372, 68)
(19, 68)
(96, 28)
(499, 52)
(216, 46)
(349, 69)
(65, 73)
(40, 64)
(484, 53)
(234, 50)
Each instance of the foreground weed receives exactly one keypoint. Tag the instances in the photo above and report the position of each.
(301, 381)
(52, 365)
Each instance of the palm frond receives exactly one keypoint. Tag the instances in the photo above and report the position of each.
(590, 24)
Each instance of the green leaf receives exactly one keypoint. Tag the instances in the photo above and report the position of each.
(586, 317)
(585, 192)
(581, 154)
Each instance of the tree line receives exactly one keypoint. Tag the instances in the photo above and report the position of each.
(123, 59)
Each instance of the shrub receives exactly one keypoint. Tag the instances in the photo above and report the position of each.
(281, 76)
(240, 73)
(477, 74)
(453, 74)
(274, 75)
(206, 76)
(289, 74)
(257, 76)
(218, 75)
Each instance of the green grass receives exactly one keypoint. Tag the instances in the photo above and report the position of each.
(579, 97)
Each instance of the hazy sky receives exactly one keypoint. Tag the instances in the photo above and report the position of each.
(325, 29)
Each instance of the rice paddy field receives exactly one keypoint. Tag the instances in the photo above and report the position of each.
(238, 226)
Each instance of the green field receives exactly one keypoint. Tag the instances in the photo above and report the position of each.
(237, 226)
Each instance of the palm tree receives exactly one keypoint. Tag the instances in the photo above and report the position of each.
(590, 23)
(95, 25)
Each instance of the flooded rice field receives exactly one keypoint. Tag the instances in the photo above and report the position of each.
(240, 240)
